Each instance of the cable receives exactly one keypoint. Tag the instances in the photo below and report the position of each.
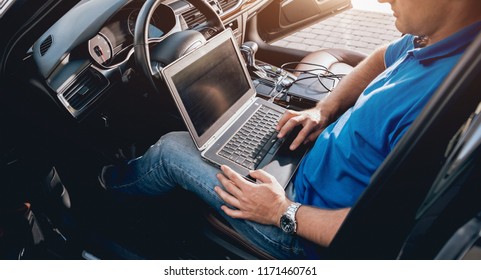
(319, 79)
(269, 71)
(326, 74)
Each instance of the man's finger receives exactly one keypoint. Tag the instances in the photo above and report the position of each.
(229, 185)
(288, 114)
(236, 214)
(226, 197)
(301, 136)
(290, 125)
(235, 177)
(262, 176)
(288, 122)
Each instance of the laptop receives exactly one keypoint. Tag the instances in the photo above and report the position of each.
(217, 101)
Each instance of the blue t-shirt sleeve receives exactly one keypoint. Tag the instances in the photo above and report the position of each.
(398, 49)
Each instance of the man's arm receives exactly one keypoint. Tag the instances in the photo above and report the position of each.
(343, 97)
(319, 225)
(265, 201)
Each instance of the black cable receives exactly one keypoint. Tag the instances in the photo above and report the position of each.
(326, 75)
(319, 79)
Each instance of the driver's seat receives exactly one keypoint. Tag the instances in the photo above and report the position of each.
(220, 232)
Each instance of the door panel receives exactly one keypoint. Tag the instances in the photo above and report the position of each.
(283, 17)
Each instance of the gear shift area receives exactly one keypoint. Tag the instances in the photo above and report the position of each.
(248, 50)
(271, 82)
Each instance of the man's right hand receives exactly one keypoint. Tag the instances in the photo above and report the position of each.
(312, 125)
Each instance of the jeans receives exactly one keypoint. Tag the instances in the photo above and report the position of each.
(174, 161)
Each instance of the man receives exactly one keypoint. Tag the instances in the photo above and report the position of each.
(355, 128)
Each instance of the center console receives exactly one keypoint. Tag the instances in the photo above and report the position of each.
(283, 87)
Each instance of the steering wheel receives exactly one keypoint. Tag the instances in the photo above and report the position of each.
(173, 46)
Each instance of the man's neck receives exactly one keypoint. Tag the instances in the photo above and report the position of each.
(451, 27)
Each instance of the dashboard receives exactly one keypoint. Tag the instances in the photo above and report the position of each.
(112, 43)
(90, 48)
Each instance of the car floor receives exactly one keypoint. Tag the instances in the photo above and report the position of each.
(113, 226)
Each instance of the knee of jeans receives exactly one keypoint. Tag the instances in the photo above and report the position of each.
(174, 144)
(175, 140)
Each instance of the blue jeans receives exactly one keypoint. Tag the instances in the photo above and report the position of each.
(174, 161)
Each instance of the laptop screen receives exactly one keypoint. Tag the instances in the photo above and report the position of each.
(210, 85)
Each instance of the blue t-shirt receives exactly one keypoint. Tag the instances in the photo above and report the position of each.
(346, 154)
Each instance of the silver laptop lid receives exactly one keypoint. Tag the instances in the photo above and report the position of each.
(209, 85)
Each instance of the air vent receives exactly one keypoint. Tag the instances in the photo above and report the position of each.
(84, 89)
(193, 17)
(46, 44)
(228, 4)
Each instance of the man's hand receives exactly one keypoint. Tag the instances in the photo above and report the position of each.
(264, 202)
(312, 125)
(343, 97)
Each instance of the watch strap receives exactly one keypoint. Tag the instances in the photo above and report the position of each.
(290, 215)
(292, 210)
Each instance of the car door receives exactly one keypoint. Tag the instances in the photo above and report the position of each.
(283, 17)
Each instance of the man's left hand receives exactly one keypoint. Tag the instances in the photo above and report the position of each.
(262, 202)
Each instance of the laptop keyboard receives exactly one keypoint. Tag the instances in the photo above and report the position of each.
(254, 140)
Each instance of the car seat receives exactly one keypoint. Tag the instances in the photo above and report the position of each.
(337, 61)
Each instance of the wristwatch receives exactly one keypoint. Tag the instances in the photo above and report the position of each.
(288, 220)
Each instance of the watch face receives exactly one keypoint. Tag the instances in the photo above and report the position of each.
(287, 224)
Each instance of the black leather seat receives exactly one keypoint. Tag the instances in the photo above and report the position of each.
(221, 233)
